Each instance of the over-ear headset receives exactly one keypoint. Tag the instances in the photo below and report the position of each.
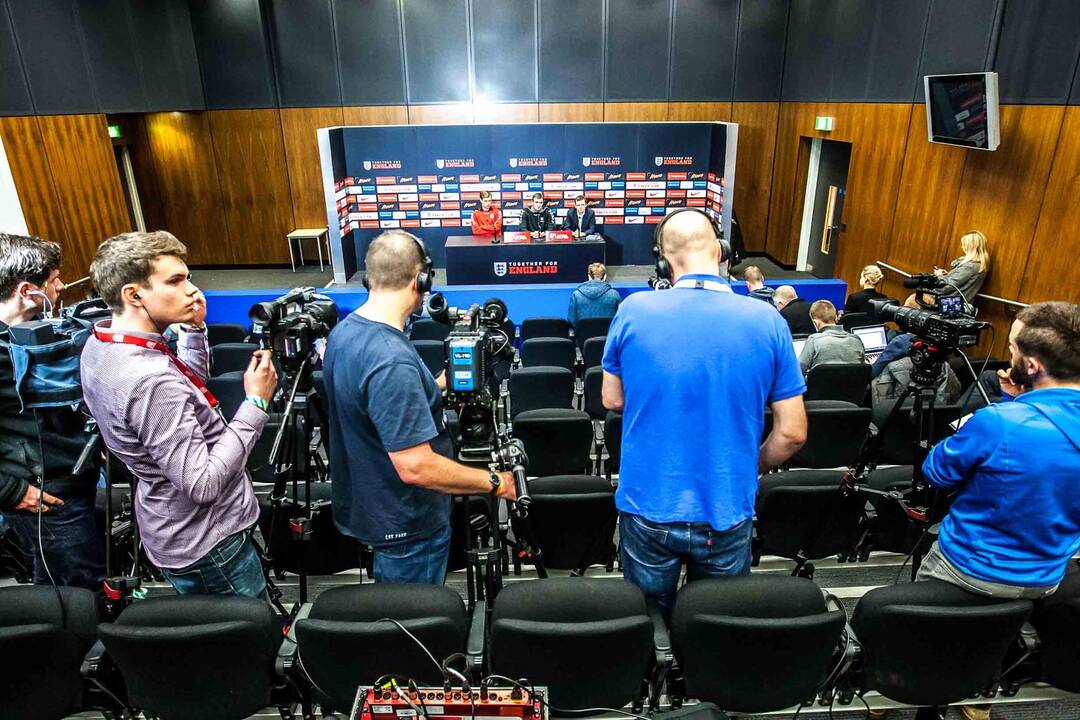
(663, 267)
(426, 277)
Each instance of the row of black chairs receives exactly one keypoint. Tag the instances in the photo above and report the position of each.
(751, 644)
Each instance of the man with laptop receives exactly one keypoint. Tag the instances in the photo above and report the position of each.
(831, 344)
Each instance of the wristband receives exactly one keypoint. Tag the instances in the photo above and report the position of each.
(257, 402)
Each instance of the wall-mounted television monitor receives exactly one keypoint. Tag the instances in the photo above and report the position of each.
(963, 110)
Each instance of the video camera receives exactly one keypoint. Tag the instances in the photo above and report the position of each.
(290, 325)
(478, 352)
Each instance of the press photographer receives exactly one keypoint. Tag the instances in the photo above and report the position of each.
(1015, 522)
(389, 446)
(39, 447)
(194, 501)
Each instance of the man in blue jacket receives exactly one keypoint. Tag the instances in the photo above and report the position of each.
(1015, 522)
(594, 298)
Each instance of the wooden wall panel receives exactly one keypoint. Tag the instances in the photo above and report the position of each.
(506, 113)
(34, 184)
(1001, 193)
(926, 203)
(753, 168)
(571, 112)
(84, 171)
(635, 112)
(189, 185)
(878, 134)
(299, 128)
(441, 114)
(250, 152)
(700, 111)
(1051, 272)
(376, 115)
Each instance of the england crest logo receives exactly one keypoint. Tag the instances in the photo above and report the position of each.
(513, 162)
(586, 161)
(658, 160)
(367, 164)
(440, 164)
(500, 269)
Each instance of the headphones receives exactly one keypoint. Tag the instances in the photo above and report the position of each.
(426, 277)
(663, 267)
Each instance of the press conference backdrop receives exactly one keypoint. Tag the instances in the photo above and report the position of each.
(427, 179)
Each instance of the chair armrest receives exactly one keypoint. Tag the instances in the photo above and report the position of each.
(288, 651)
(96, 662)
(474, 649)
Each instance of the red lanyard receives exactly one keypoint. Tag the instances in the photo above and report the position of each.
(117, 337)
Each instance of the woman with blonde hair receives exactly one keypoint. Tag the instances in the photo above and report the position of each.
(859, 302)
(968, 273)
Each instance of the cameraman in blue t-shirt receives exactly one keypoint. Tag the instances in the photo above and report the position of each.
(1015, 522)
(389, 447)
(692, 369)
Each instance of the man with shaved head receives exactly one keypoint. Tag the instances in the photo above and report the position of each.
(692, 369)
(389, 447)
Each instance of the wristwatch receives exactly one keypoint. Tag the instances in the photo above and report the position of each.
(496, 481)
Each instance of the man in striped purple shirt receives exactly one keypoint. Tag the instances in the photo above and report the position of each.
(194, 502)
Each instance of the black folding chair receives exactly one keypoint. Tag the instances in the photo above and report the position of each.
(552, 352)
(534, 388)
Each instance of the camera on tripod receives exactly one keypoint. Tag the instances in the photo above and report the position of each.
(944, 319)
(478, 352)
(290, 325)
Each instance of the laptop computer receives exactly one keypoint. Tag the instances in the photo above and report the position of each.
(873, 339)
(798, 345)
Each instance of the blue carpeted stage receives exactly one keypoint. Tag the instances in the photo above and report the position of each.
(523, 301)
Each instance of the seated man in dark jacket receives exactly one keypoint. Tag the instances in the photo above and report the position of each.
(581, 219)
(795, 310)
(537, 218)
(44, 441)
(594, 298)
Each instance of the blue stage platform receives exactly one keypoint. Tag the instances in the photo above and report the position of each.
(522, 301)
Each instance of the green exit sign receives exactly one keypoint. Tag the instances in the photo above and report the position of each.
(114, 131)
(823, 123)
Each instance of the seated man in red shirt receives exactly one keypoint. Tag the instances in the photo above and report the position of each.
(487, 220)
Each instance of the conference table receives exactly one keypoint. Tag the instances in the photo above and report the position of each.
(518, 258)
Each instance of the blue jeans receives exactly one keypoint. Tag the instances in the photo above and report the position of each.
(74, 548)
(420, 561)
(653, 554)
(232, 567)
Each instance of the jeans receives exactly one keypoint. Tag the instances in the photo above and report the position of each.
(653, 554)
(935, 566)
(232, 567)
(73, 546)
(420, 561)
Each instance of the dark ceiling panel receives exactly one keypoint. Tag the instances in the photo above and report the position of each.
(956, 38)
(110, 47)
(437, 51)
(504, 50)
(167, 57)
(571, 50)
(302, 32)
(52, 51)
(1040, 41)
(234, 55)
(369, 52)
(810, 50)
(14, 94)
(759, 65)
(877, 49)
(703, 49)
(638, 36)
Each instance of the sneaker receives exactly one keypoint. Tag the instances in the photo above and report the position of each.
(975, 712)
